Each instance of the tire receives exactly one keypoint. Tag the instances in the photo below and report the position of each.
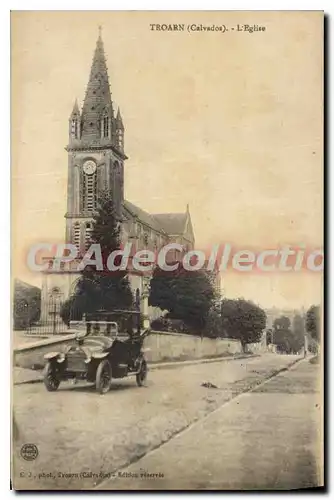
(103, 377)
(51, 379)
(141, 376)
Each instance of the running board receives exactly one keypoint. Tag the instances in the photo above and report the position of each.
(128, 373)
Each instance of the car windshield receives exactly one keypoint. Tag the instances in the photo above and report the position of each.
(104, 328)
(116, 323)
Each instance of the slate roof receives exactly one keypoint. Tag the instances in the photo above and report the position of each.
(164, 223)
(143, 216)
(172, 223)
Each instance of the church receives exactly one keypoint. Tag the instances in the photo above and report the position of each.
(96, 162)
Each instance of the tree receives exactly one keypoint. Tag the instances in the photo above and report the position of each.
(288, 339)
(269, 336)
(186, 295)
(282, 334)
(313, 322)
(72, 309)
(298, 331)
(105, 289)
(282, 323)
(213, 325)
(243, 320)
(26, 306)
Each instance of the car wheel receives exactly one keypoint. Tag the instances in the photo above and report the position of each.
(142, 374)
(103, 377)
(51, 378)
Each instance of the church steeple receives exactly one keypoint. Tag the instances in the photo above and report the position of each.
(97, 112)
(95, 153)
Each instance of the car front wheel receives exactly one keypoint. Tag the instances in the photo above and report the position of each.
(103, 377)
(51, 378)
(142, 374)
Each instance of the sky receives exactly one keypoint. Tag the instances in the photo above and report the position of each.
(229, 123)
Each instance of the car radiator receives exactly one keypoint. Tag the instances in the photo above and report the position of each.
(76, 361)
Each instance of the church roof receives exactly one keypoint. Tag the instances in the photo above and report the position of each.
(172, 223)
(169, 223)
(143, 216)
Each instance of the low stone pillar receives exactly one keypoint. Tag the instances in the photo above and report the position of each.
(145, 295)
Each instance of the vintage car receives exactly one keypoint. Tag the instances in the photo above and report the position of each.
(98, 355)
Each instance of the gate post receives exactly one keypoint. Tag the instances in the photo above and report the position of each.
(145, 294)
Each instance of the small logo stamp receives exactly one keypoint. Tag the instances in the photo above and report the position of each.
(29, 452)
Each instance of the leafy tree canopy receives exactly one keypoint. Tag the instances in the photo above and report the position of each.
(289, 339)
(243, 320)
(313, 322)
(186, 295)
(282, 323)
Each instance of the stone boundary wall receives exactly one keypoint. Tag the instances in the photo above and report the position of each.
(165, 346)
(159, 347)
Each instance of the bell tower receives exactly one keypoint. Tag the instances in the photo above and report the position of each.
(95, 153)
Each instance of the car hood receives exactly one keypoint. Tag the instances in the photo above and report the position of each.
(94, 344)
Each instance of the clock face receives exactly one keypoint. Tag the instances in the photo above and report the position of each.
(89, 167)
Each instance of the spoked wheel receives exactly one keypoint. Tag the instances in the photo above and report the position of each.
(51, 378)
(103, 377)
(141, 376)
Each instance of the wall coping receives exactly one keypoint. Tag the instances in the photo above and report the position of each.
(45, 342)
(71, 335)
(177, 334)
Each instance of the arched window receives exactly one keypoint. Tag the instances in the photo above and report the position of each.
(106, 126)
(75, 128)
(76, 234)
(120, 139)
(89, 192)
(117, 185)
(89, 229)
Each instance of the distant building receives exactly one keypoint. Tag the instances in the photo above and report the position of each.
(274, 313)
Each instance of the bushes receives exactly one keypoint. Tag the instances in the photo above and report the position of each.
(165, 324)
(26, 312)
(212, 328)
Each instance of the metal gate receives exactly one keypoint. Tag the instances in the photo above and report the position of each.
(53, 325)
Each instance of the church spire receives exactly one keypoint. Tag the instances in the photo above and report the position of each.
(119, 132)
(97, 105)
(75, 110)
(119, 121)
